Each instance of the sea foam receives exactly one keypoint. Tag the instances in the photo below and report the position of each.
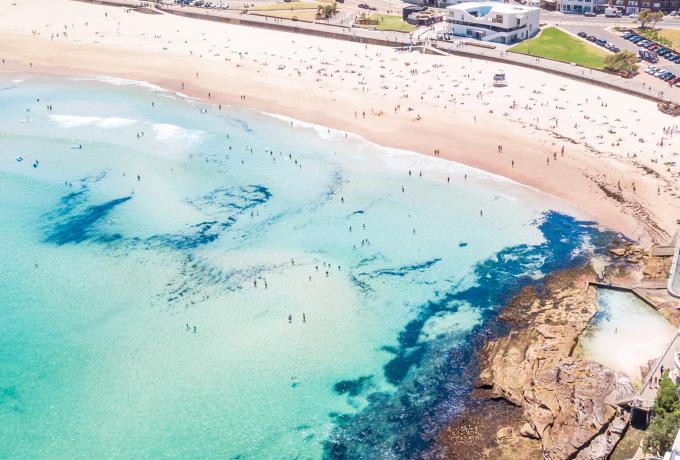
(75, 121)
(167, 132)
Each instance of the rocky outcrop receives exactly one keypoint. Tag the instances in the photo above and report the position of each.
(568, 403)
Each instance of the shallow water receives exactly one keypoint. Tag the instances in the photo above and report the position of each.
(237, 221)
(625, 333)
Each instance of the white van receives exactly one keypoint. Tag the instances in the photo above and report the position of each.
(611, 12)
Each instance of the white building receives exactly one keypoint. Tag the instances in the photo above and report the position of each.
(493, 22)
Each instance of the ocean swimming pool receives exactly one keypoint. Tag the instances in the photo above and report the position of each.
(625, 333)
(237, 225)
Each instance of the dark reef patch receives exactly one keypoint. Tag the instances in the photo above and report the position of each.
(353, 387)
(79, 227)
(403, 271)
(433, 377)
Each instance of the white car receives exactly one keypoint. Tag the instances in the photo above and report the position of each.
(633, 16)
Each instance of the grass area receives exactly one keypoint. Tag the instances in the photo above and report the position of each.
(672, 35)
(658, 35)
(555, 44)
(389, 22)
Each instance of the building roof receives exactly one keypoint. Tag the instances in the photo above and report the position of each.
(484, 8)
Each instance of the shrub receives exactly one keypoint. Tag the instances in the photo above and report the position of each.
(624, 62)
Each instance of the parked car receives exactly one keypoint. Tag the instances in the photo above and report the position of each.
(647, 56)
(591, 38)
(636, 39)
(589, 14)
(674, 81)
(582, 34)
(627, 34)
(633, 16)
(601, 42)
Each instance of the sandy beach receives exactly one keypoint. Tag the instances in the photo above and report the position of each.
(606, 152)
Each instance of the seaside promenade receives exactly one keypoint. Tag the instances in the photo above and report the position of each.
(654, 90)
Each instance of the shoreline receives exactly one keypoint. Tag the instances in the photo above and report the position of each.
(584, 176)
(556, 202)
(228, 99)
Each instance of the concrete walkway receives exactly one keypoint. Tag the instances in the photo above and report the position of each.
(647, 393)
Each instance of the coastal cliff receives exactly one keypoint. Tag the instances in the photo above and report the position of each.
(564, 407)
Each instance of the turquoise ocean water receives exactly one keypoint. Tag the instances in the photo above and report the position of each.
(237, 222)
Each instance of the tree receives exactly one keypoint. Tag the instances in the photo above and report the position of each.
(624, 62)
(667, 397)
(661, 432)
(666, 422)
(328, 10)
(655, 18)
(647, 16)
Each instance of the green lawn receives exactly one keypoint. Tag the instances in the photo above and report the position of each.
(555, 44)
(389, 22)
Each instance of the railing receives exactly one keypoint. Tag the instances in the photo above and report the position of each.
(653, 370)
(674, 267)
